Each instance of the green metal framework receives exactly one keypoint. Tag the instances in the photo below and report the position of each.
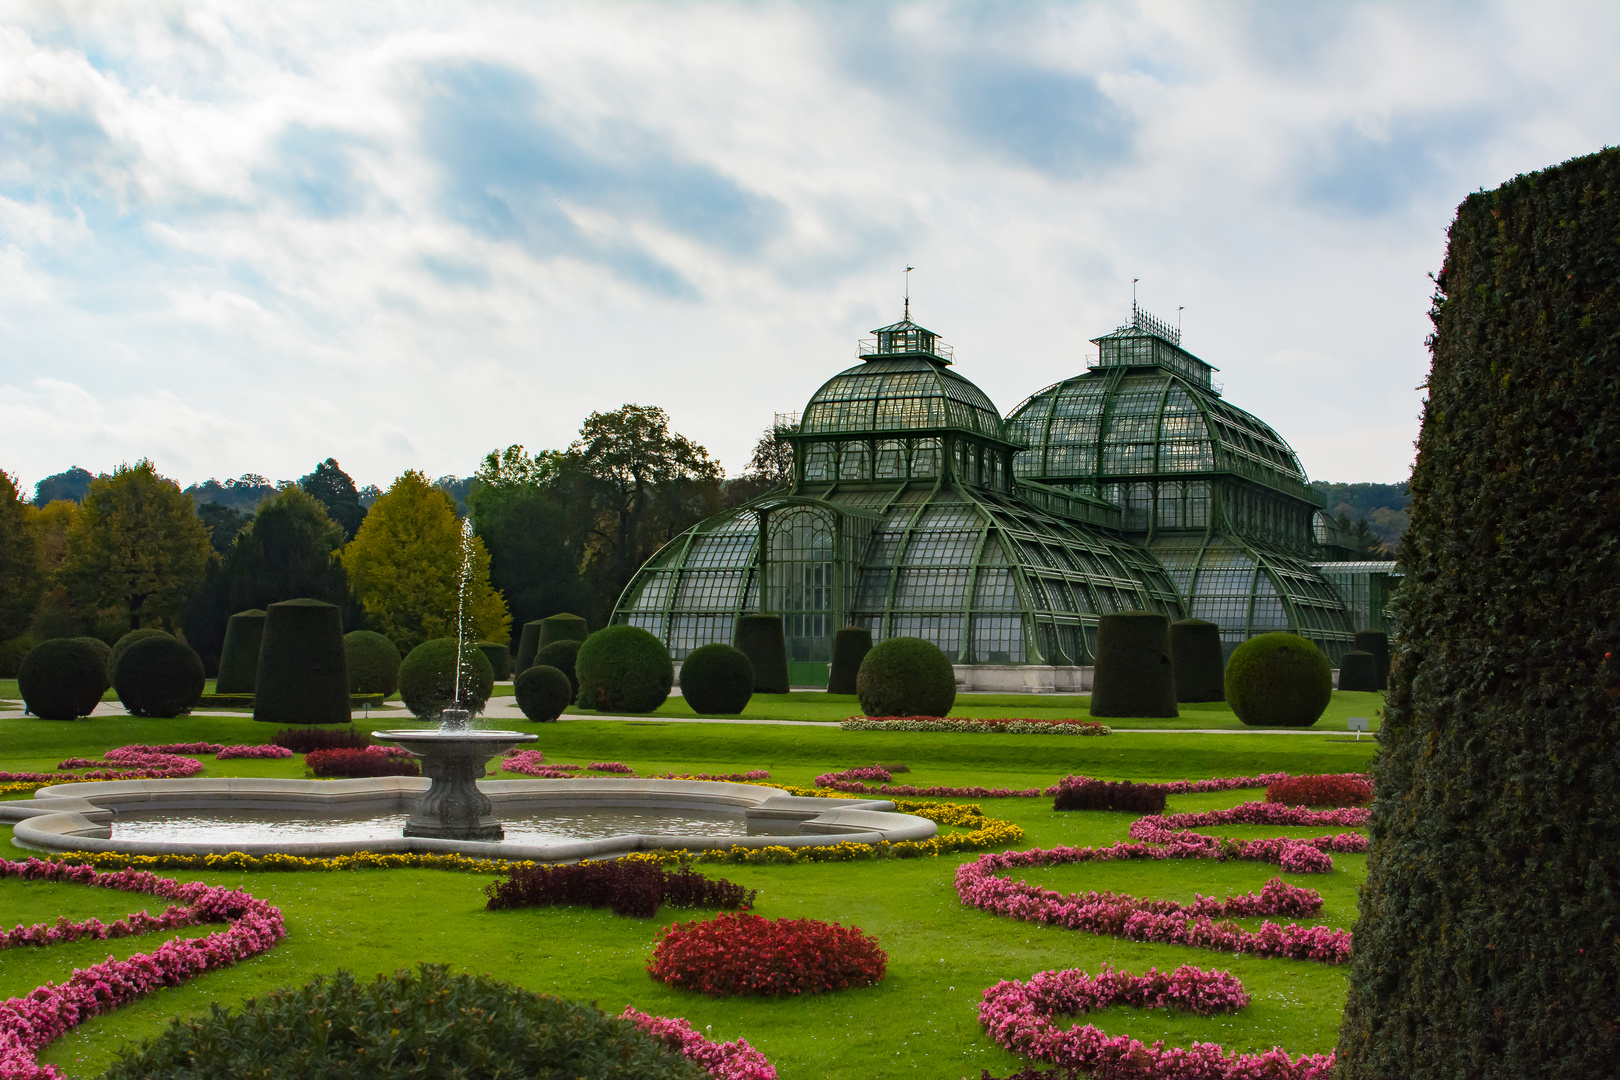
(1366, 587)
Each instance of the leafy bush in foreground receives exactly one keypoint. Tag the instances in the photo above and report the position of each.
(424, 1024)
(629, 888)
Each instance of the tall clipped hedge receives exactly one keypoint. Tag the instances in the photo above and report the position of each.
(239, 656)
(1377, 643)
(564, 627)
(850, 646)
(499, 657)
(761, 639)
(1485, 945)
(528, 645)
(303, 672)
(1358, 671)
(1196, 661)
(1133, 674)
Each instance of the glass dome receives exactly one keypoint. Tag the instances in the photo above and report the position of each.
(899, 393)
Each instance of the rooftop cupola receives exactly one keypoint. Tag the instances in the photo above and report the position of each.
(1149, 342)
(905, 338)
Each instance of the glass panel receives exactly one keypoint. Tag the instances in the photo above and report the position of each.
(854, 462)
(998, 639)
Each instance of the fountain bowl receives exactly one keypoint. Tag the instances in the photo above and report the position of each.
(454, 759)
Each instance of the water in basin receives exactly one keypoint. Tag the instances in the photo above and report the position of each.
(248, 826)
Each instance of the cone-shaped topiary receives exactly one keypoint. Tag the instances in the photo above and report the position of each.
(239, 656)
(1278, 680)
(561, 655)
(499, 657)
(303, 674)
(760, 638)
(542, 692)
(1358, 671)
(159, 677)
(1486, 943)
(104, 651)
(61, 679)
(528, 645)
(906, 676)
(427, 679)
(373, 663)
(717, 678)
(1133, 674)
(562, 627)
(124, 643)
(623, 669)
(1377, 643)
(1195, 657)
(850, 646)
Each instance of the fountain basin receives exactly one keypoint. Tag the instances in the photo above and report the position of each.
(454, 759)
(80, 816)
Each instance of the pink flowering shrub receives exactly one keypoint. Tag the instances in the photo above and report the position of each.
(1018, 1017)
(725, 1061)
(745, 954)
(266, 751)
(750, 777)
(29, 1023)
(965, 725)
(1296, 855)
(853, 781)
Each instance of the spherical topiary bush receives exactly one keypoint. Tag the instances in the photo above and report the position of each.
(542, 692)
(1133, 674)
(1196, 661)
(239, 656)
(1358, 671)
(760, 638)
(303, 673)
(561, 655)
(499, 657)
(850, 646)
(528, 645)
(717, 679)
(372, 662)
(425, 1023)
(427, 679)
(103, 650)
(123, 644)
(906, 676)
(1278, 680)
(564, 627)
(1377, 643)
(159, 677)
(61, 679)
(623, 669)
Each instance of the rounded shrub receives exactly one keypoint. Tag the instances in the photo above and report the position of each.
(760, 638)
(1377, 643)
(1358, 671)
(563, 627)
(103, 650)
(1196, 661)
(372, 662)
(528, 645)
(561, 655)
(906, 676)
(717, 679)
(122, 644)
(748, 955)
(434, 1022)
(61, 679)
(239, 656)
(1278, 680)
(427, 679)
(1134, 675)
(623, 669)
(303, 674)
(159, 677)
(850, 646)
(499, 657)
(542, 692)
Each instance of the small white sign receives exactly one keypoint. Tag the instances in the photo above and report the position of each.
(1358, 724)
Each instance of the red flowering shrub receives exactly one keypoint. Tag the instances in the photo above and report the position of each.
(1080, 793)
(748, 955)
(372, 761)
(1347, 789)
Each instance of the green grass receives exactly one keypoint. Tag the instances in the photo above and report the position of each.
(919, 1021)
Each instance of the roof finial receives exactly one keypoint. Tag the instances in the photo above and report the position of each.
(907, 277)
(1134, 280)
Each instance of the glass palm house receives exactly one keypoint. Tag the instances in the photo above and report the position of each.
(915, 509)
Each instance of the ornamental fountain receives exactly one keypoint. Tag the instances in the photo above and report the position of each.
(455, 755)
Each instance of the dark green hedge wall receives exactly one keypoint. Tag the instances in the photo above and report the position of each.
(1487, 940)
(850, 646)
(1376, 642)
(1197, 661)
(761, 639)
(1133, 676)
(239, 656)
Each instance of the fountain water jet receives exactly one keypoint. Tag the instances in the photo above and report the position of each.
(455, 755)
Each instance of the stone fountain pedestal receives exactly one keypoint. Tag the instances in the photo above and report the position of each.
(454, 758)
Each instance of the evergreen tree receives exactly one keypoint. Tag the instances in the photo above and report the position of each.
(335, 490)
(70, 485)
(223, 523)
(22, 567)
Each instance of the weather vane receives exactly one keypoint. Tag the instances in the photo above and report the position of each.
(907, 278)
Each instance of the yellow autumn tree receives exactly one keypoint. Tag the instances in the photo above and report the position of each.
(405, 566)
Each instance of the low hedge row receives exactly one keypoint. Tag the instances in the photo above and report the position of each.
(352, 764)
(628, 888)
(1087, 794)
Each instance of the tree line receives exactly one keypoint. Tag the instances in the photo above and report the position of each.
(554, 531)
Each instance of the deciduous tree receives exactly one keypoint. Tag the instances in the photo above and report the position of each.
(22, 567)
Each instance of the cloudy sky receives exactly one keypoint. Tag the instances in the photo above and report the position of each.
(242, 238)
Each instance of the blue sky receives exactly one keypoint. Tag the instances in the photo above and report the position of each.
(243, 238)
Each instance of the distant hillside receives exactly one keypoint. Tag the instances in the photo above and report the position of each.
(1381, 506)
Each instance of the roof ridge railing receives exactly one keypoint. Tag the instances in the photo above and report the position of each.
(868, 347)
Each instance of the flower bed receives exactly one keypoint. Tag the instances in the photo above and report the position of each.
(370, 761)
(853, 781)
(629, 888)
(734, 1060)
(1079, 793)
(269, 750)
(533, 763)
(1304, 856)
(303, 740)
(751, 777)
(747, 955)
(1018, 1017)
(1014, 726)
(29, 1023)
(1345, 789)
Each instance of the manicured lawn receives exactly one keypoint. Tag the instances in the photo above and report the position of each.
(919, 1021)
